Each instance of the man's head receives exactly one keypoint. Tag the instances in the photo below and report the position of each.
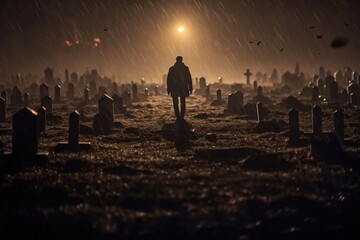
(179, 59)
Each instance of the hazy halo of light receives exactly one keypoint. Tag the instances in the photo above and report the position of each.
(181, 29)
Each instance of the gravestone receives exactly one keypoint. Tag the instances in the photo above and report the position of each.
(354, 99)
(240, 96)
(259, 112)
(146, 92)
(25, 139)
(259, 91)
(93, 88)
(315, 93)
(196, 82)
(233, 104)
(339, 124)
(57, 93)
(41, 120)
(321, 85)
(73, 143)
(26, 100)
(2, 110)
(86, 95)
(118, 104)
(106, 109)
(100, 125)
(316, 120)
(247, 74)
(339, 78)
(135, 93)
(328, 81)
(294, 131)
(207, 92)
(157, 92)
(218, 94)
(202, 84)
(43, 90)
(255, 86)
(47, 103)
(70, 91)
(126, 97)
(115, 88)
(334, 92)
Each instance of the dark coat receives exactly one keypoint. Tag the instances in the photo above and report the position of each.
(179, 81)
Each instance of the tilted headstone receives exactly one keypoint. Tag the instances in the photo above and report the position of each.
(46, 102)
(58, 93)
(218, 94)
(26, 100)
(43, 90)
(315, 93)
(334, 92)
(73, 143)
(294, 131)
(316, 120)
(339, 124)
(240, 96)
(41, 120)
(259, 112)
(247, 74)
(2, 110)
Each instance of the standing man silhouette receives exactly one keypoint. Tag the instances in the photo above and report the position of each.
(179, 84)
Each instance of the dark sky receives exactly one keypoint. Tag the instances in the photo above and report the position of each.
(142, 38)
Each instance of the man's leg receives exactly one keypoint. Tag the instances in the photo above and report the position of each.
(183, 106)
(176, 106)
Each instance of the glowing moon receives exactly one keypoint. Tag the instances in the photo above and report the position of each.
(181, 29)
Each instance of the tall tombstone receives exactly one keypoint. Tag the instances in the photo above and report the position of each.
(218, 94)
(259, 91)
(259, 112)
(255, 85)
(321, 85)
(274, 76)
(348, 74)
(207, 92)
(74, 128)
(70, 90)
(240, 97)
(26, 100)
(43, 90)
(316, 120)
(146, 92)
(233, 105)
(294, 131)
(41, 120)
(315, 93)
(339, 124)
(354, 99)
(355, 76)
(2, 110)
(58, 93)
(106, 109)
(47, 103)
(247, 74)
(202, 84)
(339, 78)
(328, 81)
(334, 92)
(135, 92)
(196, 82)
(25, 134)
(118, 104)
(86, 95)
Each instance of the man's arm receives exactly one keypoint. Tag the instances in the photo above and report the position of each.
(168, 81)
(189, 80)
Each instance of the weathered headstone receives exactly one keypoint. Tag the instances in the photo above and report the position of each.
(334, 92)
(259, 112)
(202, 84)
(135, 93)
(157, 92)
(218, 94)
(73, 143)
(126, 97)
(41, 120)
(106, 109)
(315, 93)
(321, 85)
(339, 124)
(146, 92)
(293, 127)
(70, 90)
(344, 96)
(240, 96)
(57, 93)
(255, 86)
(207, 92)
(26, 100)
(2, 110)
(259, 91)
(328, 81)
(86, 95)
(43, 90)
(247, 74)
(233, 104)
(46, 102)
(316, 120)
(118, 104)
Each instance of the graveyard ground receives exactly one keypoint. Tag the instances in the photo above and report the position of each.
(134, 184)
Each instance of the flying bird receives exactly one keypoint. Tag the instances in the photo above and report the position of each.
(251, 42)
(259, 43)
(319, 36)
(311, 27)
(281, 50)
(339, 42)
(105, 29)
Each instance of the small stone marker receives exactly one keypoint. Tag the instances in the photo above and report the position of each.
(315, 93)
(44, 90)
(255, 86)
(202, 84)
(146, 92)
(293, 127)
(135, 93)
(2, 110)
(247, 74)
(73, 143)
(86, 95)
(157, 93)
(316, 120)
(339, 124)
(26, 100)
(25, 139)
(260, 112)
(57, 94)
(46, 102)
(41, 119)
(218, 94)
